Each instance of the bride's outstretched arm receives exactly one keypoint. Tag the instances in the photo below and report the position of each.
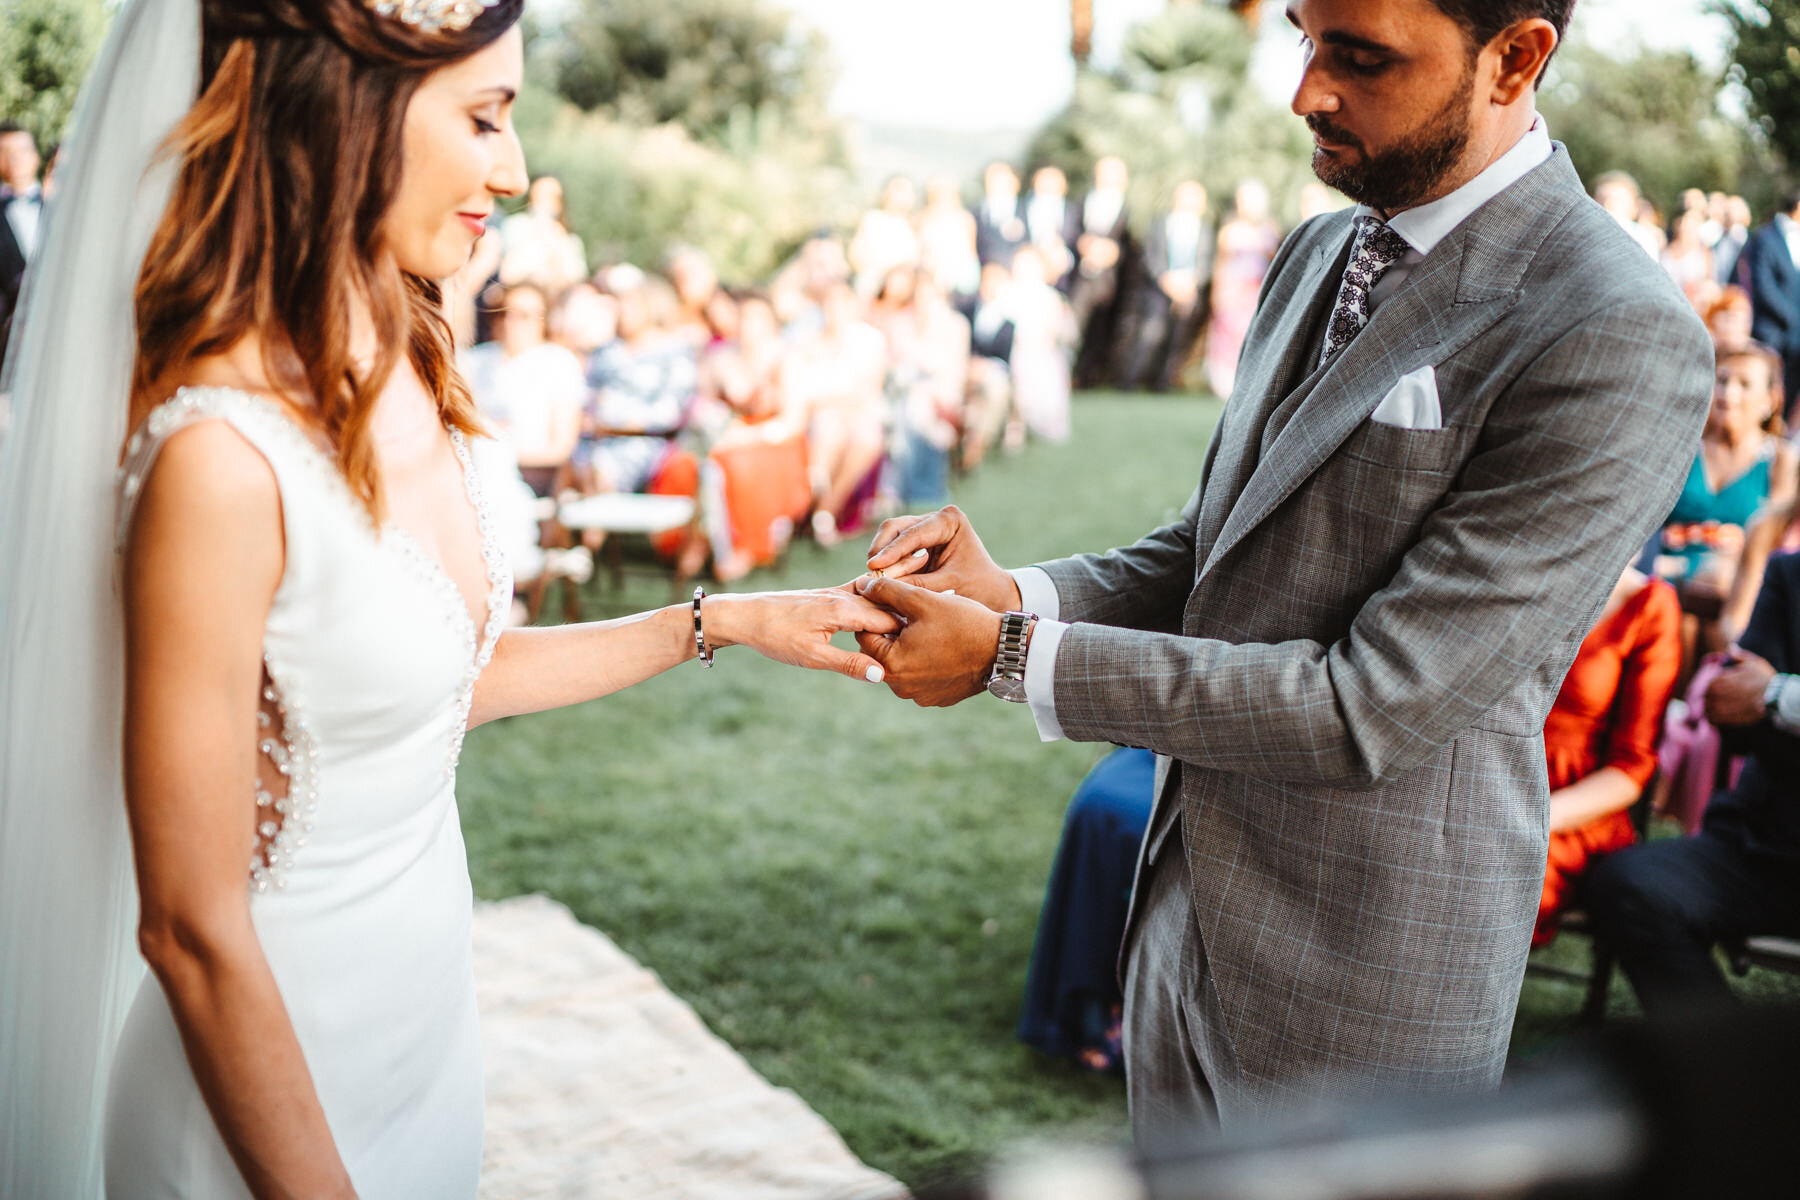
(535, 669)
(201, 570)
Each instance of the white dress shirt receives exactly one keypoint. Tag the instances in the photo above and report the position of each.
(1423, 228)
(1790, 233)
(1427, 225)
(1044, 217)
(23, 211)
(1100, 211)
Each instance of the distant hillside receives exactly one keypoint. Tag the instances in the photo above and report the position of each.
(879, 150)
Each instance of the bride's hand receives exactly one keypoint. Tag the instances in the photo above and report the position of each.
(796, 627)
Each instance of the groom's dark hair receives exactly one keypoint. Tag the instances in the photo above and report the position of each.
(1482, 20)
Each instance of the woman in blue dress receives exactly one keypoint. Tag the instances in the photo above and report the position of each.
(1073, 1002)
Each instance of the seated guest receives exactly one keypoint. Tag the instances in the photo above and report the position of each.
(1073, 1004)
(1728, 317)
(1600, 738)
(1743, 465)
(987, 396)
(640, 389)
(836, 375)
(754, 486)
(1664, 905)
(530, 390)
(741, 376)
(1775, 531)
(928, 364)
(583, 319)
(696, 288)
(1044, 336)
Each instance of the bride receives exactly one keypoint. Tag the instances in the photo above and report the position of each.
(311, 599)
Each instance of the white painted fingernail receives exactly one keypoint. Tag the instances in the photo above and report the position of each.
(875, 674)
(949, 591)
(920, 552)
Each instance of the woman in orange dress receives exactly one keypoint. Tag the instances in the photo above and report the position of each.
(1600, 738)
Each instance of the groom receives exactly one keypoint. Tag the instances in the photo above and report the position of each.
(1462, 407)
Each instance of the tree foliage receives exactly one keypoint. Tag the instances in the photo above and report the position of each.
(46, 47)
(1766, 62)
(634, 191)
(702, 64)
(702, 123)
(1179, 105)
(1654, 113)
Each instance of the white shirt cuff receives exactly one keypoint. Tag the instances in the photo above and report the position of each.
(1037, 593)
(1786, 716)
(1040, 677)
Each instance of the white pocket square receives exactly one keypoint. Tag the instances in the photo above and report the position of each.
(1412, 403)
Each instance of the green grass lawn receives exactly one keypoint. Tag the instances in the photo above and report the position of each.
(844, 886)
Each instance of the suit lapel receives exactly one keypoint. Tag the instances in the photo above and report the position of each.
(1461, 288)
(1275, 362)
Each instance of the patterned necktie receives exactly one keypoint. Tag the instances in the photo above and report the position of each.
(1378, 247)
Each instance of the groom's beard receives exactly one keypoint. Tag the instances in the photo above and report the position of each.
(1407, 173)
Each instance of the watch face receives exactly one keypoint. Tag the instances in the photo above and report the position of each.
(1010, 690)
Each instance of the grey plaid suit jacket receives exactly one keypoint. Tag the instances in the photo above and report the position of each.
(1351, 636)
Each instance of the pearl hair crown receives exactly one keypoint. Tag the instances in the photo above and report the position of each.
(432, 16)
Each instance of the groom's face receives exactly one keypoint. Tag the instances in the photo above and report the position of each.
(1388, 91)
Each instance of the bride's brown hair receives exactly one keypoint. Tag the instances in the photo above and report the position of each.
(285, 166)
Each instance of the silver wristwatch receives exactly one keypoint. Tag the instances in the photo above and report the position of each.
(1008, 678)
(1771, 695)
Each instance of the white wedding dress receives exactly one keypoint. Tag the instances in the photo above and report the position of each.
(361, 896)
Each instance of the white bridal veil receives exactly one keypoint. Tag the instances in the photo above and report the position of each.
(68, 956)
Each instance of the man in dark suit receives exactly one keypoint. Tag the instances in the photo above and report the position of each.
(999, 227)
(1173, 299)
(1102, 258)
(1768, 269)
(21, 205)
(1665, 904)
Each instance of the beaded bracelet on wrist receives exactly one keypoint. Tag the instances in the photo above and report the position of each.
(700, 648)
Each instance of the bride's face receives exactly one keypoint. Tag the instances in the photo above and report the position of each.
(459, 153)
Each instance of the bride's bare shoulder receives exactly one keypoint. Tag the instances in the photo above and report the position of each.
(206, 474)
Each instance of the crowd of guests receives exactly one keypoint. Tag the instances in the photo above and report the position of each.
(866, 372)
(1683, 700)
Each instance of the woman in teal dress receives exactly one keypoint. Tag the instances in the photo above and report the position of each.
(1744, 465)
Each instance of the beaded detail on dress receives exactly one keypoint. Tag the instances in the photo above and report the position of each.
(283, 822)
(284, 736)
(499, 597)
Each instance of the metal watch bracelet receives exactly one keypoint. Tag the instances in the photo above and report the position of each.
(1007, 680)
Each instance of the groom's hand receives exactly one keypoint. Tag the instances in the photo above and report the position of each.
(941, 553)
(946, 652)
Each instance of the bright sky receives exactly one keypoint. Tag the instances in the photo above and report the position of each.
(987, 64)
